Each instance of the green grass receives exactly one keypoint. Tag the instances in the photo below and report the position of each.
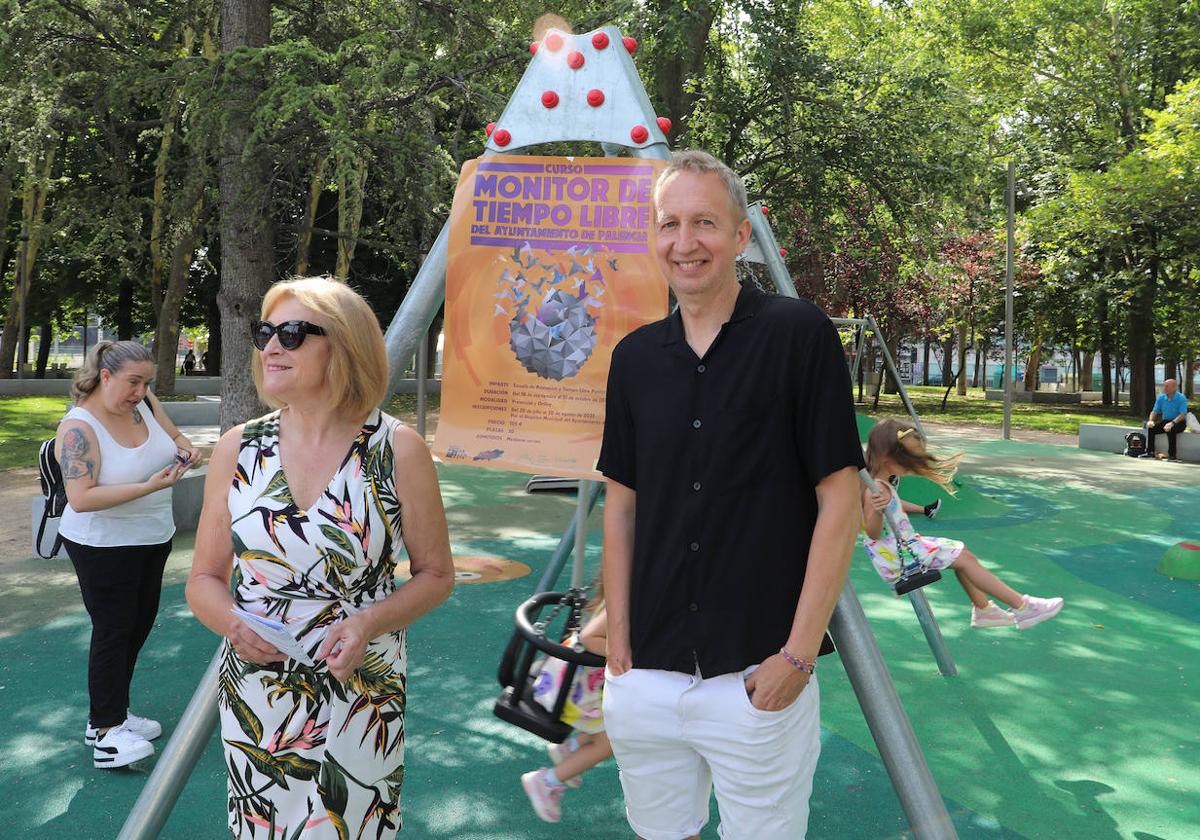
(24, 423)
(973, 409)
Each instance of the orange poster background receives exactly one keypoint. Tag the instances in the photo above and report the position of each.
(522, 227)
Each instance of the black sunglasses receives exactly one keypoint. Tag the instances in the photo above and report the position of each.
(291, 333)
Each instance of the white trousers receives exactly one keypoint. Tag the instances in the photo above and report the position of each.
(677, 736)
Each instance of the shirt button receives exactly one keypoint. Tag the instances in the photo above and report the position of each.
(701, 368)
(696, 424)
(695, 546)
(694, 607)
(695, 485)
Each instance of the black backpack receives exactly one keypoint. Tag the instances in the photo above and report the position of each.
(1135, 444)
(54, 492)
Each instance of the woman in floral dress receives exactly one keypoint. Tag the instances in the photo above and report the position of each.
(305, 509)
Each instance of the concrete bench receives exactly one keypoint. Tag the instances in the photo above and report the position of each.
(1105, 438)
(186, 502)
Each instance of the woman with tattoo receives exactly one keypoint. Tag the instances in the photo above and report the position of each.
(120, 456)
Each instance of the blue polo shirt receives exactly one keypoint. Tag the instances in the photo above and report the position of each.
(1170, 407)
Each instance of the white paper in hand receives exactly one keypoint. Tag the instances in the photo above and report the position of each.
(276, 634)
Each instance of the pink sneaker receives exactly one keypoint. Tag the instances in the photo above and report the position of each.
(545, 798)
(558, 752)
(991, 616)
(1036, 610)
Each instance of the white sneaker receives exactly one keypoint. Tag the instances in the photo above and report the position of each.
(148, 729)
(120, 746)
(992, 616)
(1036, 610)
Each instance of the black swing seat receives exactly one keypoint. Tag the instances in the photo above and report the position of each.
(916, 580)
(517, 673)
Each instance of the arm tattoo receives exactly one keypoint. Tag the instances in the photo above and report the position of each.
(75, 461)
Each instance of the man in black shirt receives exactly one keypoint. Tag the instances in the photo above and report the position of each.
(730, 452)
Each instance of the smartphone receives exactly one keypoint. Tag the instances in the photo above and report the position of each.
(182, 458)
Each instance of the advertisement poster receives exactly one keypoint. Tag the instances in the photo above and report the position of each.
(551, 263)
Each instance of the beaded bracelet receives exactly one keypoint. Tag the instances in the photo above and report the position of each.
(800, 664)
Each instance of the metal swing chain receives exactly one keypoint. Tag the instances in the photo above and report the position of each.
(572, 595)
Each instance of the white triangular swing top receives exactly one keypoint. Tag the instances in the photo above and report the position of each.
(586, 88)
(581, 87)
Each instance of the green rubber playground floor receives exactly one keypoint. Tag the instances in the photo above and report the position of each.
(1084, 727)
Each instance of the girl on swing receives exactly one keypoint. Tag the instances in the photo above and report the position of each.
(588, 744)
(896, 449)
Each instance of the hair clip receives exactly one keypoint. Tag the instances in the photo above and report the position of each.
(901, 433)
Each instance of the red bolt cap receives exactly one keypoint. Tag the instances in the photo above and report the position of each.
(549, 99)
(489, 129)
(502, 137)
(533, 48)
(600, 40)
(630, 43)
(764, 209)
(783, 252)
(595, 97)
(553, 42)
(575, 60)
(639, 134)
(664, 125)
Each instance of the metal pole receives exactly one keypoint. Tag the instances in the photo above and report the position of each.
(582, 509)
(1010, 202)
(891, 366)
(421, 303)
(859, 348)
(563, 550)
(422, 364)
(889, 724)
(933, 633)
(182, 753)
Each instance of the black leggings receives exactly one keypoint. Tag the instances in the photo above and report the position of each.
(120, 587)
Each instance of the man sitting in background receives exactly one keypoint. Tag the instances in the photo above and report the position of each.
(1170, 409)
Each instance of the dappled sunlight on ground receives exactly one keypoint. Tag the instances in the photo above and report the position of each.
(1082, 728)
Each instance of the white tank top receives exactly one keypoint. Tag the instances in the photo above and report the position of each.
(144, 521)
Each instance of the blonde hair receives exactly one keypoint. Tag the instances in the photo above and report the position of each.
(105, 355)
(358, 365)
(699, 162)
(886, 442)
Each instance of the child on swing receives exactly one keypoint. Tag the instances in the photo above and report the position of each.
(588, 744)
(895, 449)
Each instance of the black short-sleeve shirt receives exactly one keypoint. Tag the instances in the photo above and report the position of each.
(724, 453)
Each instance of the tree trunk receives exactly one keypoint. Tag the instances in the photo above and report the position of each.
(1032, 367)
(947, 359)
(33, 209)
(125, 308)
(680, 64)
(1170, 366)
(212, 366)
(315, 188)
(925, 362)
(247, 243)
(1085, 370)
(45, 340)
(979, 380)
(962, 359)
(166, 334)
(890, 385)
(1141, 340)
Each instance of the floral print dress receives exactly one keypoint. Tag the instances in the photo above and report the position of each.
(889, 558)
(308, 756)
